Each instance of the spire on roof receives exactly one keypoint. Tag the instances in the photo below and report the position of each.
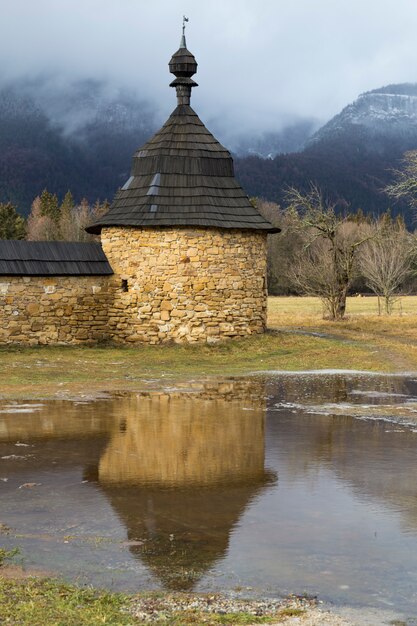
(183, 65)
(183, 176)
(183, 43)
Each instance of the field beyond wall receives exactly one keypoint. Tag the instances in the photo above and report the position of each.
(390, 340)
(298, 338)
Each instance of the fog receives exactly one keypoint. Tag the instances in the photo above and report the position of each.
(262, 65)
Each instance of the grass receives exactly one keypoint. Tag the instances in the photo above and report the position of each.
(7, 554)
(40, 602)
(291, 612)
(392, 339)
(363, 341)
(297, 310)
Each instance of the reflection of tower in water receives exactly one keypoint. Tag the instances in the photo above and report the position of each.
(180, 469)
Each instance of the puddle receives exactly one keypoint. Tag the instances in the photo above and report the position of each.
(271, 483)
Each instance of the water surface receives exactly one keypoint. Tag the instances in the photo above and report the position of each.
(279, 484)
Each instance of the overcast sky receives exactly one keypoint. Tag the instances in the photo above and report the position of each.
(261, 63)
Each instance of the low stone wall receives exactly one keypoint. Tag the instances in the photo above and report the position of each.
(184, 285)
(187, 285)
(50, 310)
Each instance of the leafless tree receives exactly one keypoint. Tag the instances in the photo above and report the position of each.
(74, 220)
(327, 261)
(386, 262)
(405, 184)
(282, 247)
(40, 227)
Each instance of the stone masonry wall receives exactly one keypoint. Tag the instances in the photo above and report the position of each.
(186, 285)
(48, 310)
(182, 285)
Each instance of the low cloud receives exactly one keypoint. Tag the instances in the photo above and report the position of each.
(260, 67)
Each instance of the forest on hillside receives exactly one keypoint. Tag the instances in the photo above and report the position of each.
(88, 150)
(83, 140)
(349, 174)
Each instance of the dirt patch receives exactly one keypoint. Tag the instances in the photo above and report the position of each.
(16, 572)
(346, 617)
(315, 617)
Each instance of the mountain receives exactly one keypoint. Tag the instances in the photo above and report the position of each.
(351, 157)
(388, 112)
(79, 137)
(82, 135)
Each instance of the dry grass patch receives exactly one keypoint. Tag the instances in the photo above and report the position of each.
(302, 340)
(392, 338)
(305, 310)
(70, 371)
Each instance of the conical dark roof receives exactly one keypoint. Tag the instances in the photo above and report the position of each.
(183, 176)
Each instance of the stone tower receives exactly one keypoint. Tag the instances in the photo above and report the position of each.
(187, 248)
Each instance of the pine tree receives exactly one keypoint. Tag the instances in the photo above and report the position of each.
(66, 217)
(12, 225)
(67, 204)
(50, 206)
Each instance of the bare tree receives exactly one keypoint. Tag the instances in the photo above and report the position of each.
(405, 185)
(327, 262)
(282, 247)
(40, 226)
(386, 262)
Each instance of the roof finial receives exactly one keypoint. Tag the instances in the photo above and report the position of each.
(183, 65)
(183, 42)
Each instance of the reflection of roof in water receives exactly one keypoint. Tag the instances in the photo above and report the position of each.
(185, 531)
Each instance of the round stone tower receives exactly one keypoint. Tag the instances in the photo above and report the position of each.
(187, 247)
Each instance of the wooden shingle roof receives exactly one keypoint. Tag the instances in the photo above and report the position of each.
(183, 176)
(52, 258)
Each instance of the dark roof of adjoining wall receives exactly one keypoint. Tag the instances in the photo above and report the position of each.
(183, 177)
(52, 258)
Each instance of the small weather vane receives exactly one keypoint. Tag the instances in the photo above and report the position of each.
(184, 20)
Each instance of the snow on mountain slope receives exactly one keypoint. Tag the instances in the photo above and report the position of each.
(389, 111)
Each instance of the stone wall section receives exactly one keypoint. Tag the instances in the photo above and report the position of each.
(54, 310)
(185, 285)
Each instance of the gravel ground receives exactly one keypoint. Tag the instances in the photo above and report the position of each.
(154, 607)
(348, 616)
(290, 611)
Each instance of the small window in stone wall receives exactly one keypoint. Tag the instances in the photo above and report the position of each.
(125, 286)
(123, 426)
